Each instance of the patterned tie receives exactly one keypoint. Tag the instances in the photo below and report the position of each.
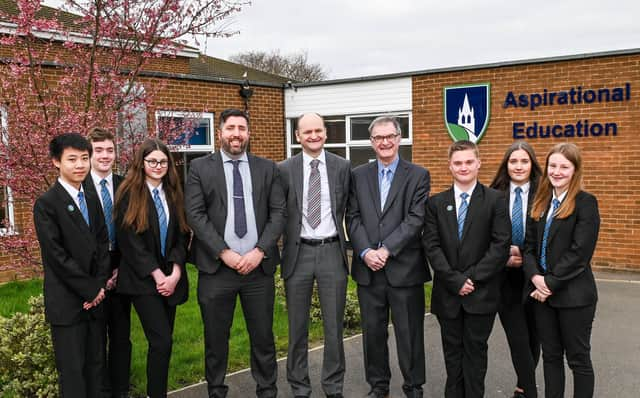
(517, 227)
(83, 207)
(384, 186)
(107, 205)
(240, 217)
(313, 195)
(162, 219)
(545, 235)
(462, 213)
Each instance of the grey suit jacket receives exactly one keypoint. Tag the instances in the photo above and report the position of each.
(398, 226)
(206, 208)
(291, 176)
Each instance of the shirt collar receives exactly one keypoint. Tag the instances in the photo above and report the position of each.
(561, 197)
(306, 158)
(525, 187)
(227, 158)
(151, 188)
(70, 188)
(457, 191)
(392, 166)
(97, 179)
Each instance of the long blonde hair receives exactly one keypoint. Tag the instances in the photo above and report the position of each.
(545, 190)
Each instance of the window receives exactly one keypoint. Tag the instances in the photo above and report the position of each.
(186, 131)
(7, 220)
(348, 136)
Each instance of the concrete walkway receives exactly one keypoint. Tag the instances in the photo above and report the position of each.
(615, 354)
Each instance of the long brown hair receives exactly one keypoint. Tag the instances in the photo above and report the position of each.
(545, 190)
(502, 180)
(135, 187)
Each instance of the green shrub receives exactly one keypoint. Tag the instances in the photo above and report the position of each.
(27, 367)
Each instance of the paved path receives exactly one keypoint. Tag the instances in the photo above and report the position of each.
(615, 354)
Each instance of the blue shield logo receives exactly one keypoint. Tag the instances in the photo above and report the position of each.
(466, 111)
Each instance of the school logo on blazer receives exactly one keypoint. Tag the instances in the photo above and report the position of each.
(466, 111)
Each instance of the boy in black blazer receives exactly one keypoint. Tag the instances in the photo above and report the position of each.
(74, 247)
(467, 236)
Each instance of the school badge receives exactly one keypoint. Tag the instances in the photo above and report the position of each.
(466, 111)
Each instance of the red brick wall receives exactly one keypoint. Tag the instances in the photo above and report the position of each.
(611, 164)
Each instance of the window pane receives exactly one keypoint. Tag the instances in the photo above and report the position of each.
(295, 151)
(338, 151)
(361, 155)
(199, 130)
(405, 152)
(335, 126)
(360, 126)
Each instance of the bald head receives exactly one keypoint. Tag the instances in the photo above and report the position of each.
(311, 133)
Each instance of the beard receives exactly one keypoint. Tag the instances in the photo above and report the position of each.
(226, 146)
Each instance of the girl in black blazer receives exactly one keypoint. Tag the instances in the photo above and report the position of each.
(518, 176)
(561, 237)
(152, 234)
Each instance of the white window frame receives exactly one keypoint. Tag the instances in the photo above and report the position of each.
(182, 114)
(10, 230)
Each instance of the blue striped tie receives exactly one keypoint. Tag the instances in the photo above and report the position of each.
(83, 207)
(162, 219)
(384, 187)
(517, 227)
(462, 213)
(107, 205)
(545, 235)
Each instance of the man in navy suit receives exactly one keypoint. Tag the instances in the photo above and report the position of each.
(467, 236)
(74, 246)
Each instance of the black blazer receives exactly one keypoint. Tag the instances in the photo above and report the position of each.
(570, 246)
(206, 207)
(480, 255)
(291, 176)
(88, 186)
(142, 253)
(398, 226)
(75, 256)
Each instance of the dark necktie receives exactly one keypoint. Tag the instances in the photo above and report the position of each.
(313, 195)
(545, 235)
(517, 227)
(107, 205)
(83, 207)
(162, 219)
(462, 213)
(240, 218)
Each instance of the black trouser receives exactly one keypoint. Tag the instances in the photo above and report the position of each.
(157, 319)
(407, 313)
(118, 355)
(519, 326)
(464, 343)
(566, 331)
(217, 295)
(78, 350)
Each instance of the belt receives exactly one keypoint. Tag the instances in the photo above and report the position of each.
(318, 242)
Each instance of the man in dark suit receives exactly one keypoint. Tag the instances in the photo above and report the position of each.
(235, 206)
(74, 248)
(467, 236)
(316, 186)
(103, 183)
(385, 219)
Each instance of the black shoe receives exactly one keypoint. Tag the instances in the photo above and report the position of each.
(300, 396)
(378, 394)
(338, 395)
(518, 394)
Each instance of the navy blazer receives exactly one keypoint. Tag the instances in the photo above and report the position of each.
(570, 246)
(480, 255)
(74, 255)
(398, 226)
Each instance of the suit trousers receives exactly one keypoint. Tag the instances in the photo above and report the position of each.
(464, 343)
(157, 320)
(407, 312)
(325, 264)
(118, 355)
(217, 295)
(566, 330)
(78, 350)
(519, 326)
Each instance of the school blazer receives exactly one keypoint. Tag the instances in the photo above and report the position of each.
(480, 255)
(206, 208)
(141, 254)
(398, 226)
(570, 246)
(74, 255)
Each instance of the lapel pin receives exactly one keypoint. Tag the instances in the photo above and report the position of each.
(449, 208)
(70, 207)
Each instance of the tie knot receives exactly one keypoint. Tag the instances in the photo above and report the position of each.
(236, 163)
(556, 203)
(103, 182)
(314, 163)
(155, 191)
(518, 190)
(464, 196)
(386, 172)
(80, 195)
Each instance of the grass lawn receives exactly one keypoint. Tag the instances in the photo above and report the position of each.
(187, 360)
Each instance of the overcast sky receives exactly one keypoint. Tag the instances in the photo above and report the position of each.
(352, 38)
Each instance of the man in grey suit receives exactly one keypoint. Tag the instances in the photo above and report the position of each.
(316, 185)
(235, 206)
(385, 219)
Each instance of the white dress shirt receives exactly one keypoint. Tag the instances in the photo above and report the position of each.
(96, 183)
(73, 192)
(327, 227)
(456, 193)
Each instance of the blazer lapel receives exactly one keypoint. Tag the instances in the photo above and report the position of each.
(298, 175)
(451, 219)
(398, 181)
(256, 181)
(219, 179)
(332, 171)
(72, 209)
(475, 206)
(372, 176)
(154, 223)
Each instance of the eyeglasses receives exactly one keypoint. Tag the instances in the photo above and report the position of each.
(153, 163)
(380, 138)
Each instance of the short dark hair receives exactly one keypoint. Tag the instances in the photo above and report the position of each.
(98, 134)
(68, 140)
(227, 113)
(463, 145)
